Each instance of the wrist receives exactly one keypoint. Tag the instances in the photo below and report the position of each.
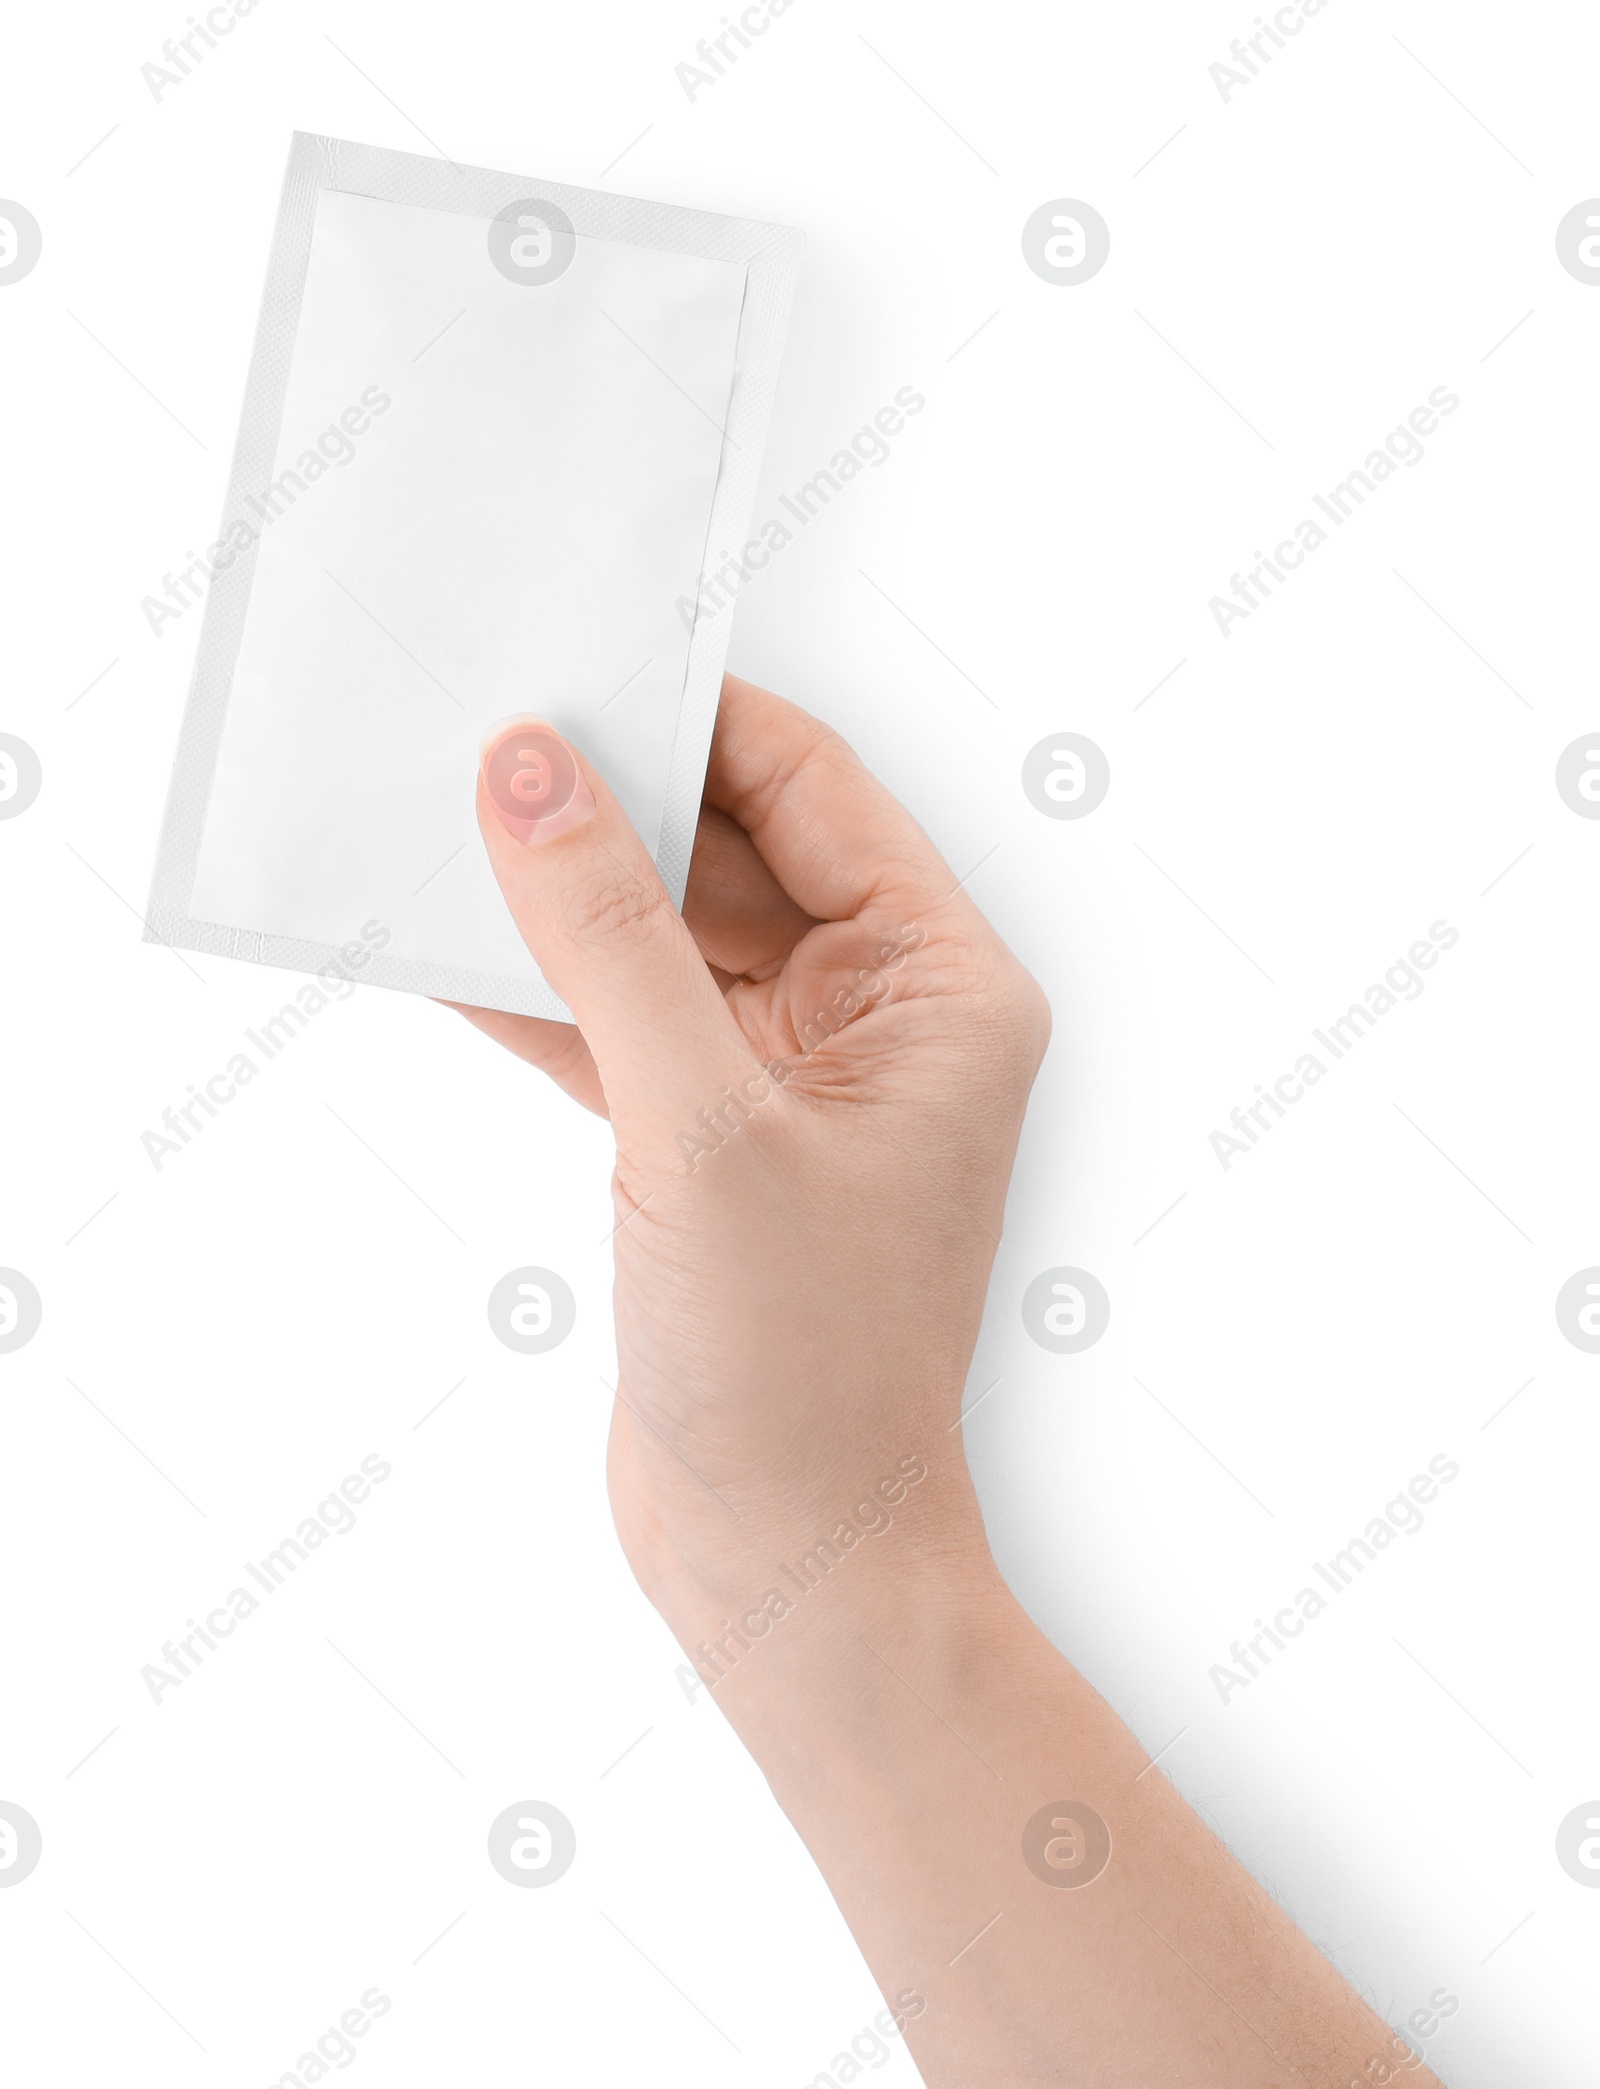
(906, 1543)
(822, 1639)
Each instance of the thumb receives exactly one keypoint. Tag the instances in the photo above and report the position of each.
(591, 907)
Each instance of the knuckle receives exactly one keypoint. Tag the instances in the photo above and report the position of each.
(827, 753)
(1038, 1020)
(1017, 1018)
(618, 908)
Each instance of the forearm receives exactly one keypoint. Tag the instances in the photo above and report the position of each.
(917, 1729)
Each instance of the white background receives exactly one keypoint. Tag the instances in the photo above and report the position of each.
(1294, 1339)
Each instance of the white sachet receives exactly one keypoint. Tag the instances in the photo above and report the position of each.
(459, 494)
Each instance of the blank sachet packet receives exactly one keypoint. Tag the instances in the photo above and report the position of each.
(494, 431)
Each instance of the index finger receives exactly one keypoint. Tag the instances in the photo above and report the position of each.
(836, 840)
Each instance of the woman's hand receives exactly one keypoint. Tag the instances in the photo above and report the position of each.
(816, 1078)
